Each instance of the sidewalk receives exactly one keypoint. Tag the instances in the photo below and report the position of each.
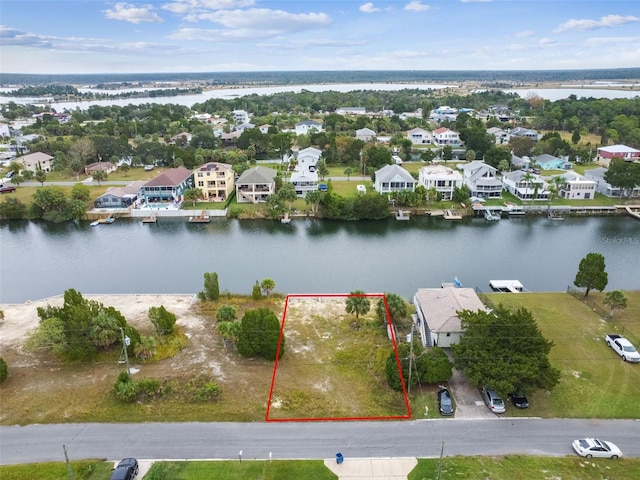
(372, 468)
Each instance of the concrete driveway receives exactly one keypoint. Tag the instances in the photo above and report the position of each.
(468, 400)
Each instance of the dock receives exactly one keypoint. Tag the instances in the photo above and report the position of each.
(452, 215)
(400, 215)
(633, 211)
(286, 219)
(150, 219)
(512, 286)
(202, 218)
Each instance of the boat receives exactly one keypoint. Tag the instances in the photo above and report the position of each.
(202, 218)
(512, 286)
(103, 221)
(95, 224)
(491, 216)
(285, 220)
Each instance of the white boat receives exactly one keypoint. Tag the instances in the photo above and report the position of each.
(491, 216)
(512, 286)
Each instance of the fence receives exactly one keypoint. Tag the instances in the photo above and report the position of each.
(579, 294)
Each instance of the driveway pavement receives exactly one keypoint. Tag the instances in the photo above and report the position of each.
(372, 468)
(468, 400)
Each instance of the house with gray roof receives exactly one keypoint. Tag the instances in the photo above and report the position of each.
(437, 313)
(308, 126)
(166, 190)
(605, 188)
(524, 132)
(482, 179)
(577, 187)
(119, 197)
(525, 185)
(36, 161)
(420, 136)
(393, 178)
(255, 185)
(549, 162)
(365, 134)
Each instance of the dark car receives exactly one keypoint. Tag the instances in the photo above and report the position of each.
(7, 189)
(127, 469)
(445, 403)
(519, 400)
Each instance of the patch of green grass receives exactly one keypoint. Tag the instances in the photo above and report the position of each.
(523, 467)
(82, 470)
(595, 382)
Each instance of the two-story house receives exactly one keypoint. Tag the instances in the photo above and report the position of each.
(441, 178)
(481, 179)
(215, 180)
(393, 178)
(255, 185)
(306, 127)
(605, 188)
(525, 186)
(419, 136)
(36, 161)
(577, 187)
(606, 154)
(167, 189)
(443, 136)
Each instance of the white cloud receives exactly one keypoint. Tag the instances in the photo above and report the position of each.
(604, 22)
(524, 34)
(134, 14)
(476, 1)
(263, 22)
(417, 6)
(182, 6)
(369, 8)
(598, 41)
(546, 41)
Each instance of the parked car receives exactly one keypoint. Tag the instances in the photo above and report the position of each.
(127, 469)
(519, 400)
(622, 347)
(445, 403)
(593, 447)
(9, 174)
(7, 189)
(493, 400)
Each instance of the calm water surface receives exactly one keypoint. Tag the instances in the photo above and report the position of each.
(40, 260)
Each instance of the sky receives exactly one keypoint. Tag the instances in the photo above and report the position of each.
(95, 36)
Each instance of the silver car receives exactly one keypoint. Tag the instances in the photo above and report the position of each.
(593, 447)
(493, 400)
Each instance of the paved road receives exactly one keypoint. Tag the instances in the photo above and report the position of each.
(309, 440)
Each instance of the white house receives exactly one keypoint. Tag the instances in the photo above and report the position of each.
(604, 187)
(481, 179)
(437, 313)
(393, 178)
(443, 136)
(524, 132)
(443, 179)
(419, 136)
(244, 126)
(518, 184)
(365, 134)
(577, 187)
(351, 111)
(308, 126)
(36, 161)
(240, 116)
(500, 135)
(307, 158)
(304, 181)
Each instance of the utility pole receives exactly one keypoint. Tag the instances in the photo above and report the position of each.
(66, 459)
(440, 462)
(126, 341)
(410, 358)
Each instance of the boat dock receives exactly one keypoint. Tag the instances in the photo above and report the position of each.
(452, 215)
(202, 218)
(400, 215)
(512, 286)
(634, 211)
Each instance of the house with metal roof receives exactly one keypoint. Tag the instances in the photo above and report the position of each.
(393, 178)
(525, 185)
(605, 188)
(365, 134)
(606, 154)
(549, 162)
(166, 190)
(482, 179)
(255, 185)
(119, 197)
(419, 136)
(577, 187)
(437, 313)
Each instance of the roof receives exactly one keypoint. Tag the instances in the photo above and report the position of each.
(309, 122)
(131, 189)
(215, 166)
(257, 175)
(443, 130)
(389, 172)
(172, 177)
(546, 158)
(35, 157)
(99, 166)
(365, 131)
(304, 176)
(618, 149)
(440, 306)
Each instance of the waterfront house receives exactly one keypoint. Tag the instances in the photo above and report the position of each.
(255, 185)
(393, 178)
(518, 184)
(605, 188)
(523, 132)
(437, 313)
(106, 167)
(304, 181)
(119, 197)
(36, 161)
(549, 162)
(306, 127)
(443, 136)
(167, 189)
(606, 154)
(441, 178)
(365, 134)
(215, 180)
(481, 179)
(577, 187)
(419, 136)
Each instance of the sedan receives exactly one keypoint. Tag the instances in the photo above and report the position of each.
(127, 469)
(519, 400)
(493, 400)
(444, 402)
(592, 447)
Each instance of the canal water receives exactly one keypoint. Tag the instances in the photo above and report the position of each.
(310, 256)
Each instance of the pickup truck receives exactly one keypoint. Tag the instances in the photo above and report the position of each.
(622, 347)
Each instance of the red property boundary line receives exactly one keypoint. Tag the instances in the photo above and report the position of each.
(322, 419)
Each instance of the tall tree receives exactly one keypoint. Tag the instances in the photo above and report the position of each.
(259, 334)
(591, 273)
(193, 195)
(211, 287)
(623, 175)
(504, 350)
(162, 319)
(358, 304)
(41, 176)
(267, 285)
(615, 300)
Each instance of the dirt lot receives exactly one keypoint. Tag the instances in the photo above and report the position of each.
(325, 363)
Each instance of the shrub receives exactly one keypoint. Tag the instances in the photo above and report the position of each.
(125, 389)
(209, 391)
(4, 370)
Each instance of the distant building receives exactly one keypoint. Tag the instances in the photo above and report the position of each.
(240, 116)
(306, 127)
(606, 154)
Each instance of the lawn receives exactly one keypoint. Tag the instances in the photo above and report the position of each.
(595, 382)
(82, 470)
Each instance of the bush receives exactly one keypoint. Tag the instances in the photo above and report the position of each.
(4, 370)
(125, 389)
(209, 391)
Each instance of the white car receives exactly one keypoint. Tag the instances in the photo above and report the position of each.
(592, 447)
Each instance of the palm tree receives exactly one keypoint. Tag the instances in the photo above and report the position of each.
(527, 180)
(615, 300)
(348, 172)
(358, 304)
(104, 330)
